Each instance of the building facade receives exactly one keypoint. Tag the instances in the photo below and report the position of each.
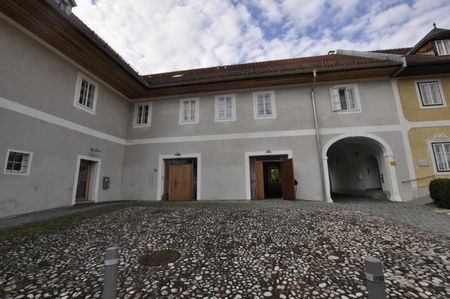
(77, 124)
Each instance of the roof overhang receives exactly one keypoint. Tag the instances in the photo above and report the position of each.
(60, 32)
(274, 80)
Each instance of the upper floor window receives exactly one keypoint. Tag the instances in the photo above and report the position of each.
(225, 108)
(345, 98)
(264, 104)
(189, 109)
(86, 94)
(441, 152)
(430, 93)
(18, 162)
(443, 47)
(142, 115)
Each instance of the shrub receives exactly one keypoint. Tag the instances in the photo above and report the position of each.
(440, 192)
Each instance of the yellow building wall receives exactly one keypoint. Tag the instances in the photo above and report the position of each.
(420, 139)
(410, 100)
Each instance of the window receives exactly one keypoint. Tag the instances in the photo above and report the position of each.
(441, 152)
(264, 104)
(345, 98)
(86, 94)
(18, 162)
(225, 108)
(430, 93)
(142, 115)
(189, 111)
(443, 47)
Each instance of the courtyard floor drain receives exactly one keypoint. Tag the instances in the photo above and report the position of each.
(158, 258)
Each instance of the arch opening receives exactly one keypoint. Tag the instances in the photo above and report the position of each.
(359, 167)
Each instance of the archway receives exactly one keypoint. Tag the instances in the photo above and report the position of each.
(360, 165)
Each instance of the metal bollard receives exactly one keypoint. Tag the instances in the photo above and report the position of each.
(110, 279)
(375, 278)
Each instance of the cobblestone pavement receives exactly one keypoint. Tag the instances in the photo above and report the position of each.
(229, 250)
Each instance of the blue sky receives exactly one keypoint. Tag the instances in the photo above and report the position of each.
(157, 36)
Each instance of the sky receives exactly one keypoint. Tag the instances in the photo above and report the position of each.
(157, 36)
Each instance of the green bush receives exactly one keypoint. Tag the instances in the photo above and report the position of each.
(440, 192)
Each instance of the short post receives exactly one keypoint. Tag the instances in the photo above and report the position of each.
(375, 278)
(110, 279)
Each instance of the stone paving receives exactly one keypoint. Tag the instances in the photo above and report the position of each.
(254, 250)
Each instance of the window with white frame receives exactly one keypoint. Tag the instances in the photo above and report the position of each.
(441, 151)
(18, 162)
(86, 94)
(430, 93)
(264, 104)
(443, 47)
(345, 98)
(225, 108)
(189, 109)
(142, 114)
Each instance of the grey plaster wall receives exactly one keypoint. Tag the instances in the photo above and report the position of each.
(223, 166)
(293, 109)
(55, 151)
(35, 76)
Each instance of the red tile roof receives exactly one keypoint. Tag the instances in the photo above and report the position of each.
(333, 62)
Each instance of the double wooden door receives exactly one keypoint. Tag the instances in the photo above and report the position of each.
(181, 182)
(286, 179)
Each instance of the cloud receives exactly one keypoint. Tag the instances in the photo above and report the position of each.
(158, 36)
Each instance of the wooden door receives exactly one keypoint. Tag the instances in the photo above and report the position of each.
(259, 172)
(181, 182)
(287, 179)
(84, 181)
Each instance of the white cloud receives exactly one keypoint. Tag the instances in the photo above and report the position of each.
(157, 36)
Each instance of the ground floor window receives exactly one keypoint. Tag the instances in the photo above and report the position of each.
(18, 162)
(441, 151)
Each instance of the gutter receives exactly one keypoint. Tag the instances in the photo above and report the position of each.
(381, 56)
(316, 127)
(375, 55)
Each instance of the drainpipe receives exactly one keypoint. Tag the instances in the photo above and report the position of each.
(404, 65)
(316, 127)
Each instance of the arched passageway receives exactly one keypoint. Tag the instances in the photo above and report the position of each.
(359, 166)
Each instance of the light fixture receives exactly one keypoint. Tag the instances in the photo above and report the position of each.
(268, 151)
(177, 154)
(95, 150)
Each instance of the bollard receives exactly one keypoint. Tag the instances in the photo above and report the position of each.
(375, 278)
(110, 279)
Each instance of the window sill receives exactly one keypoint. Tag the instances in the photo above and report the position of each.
(348, 112)
(91, 111)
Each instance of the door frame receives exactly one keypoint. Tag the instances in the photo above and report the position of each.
(161, 173)
(95, 178)
(255, 154)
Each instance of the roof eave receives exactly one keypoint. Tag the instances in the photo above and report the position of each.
(268, 75)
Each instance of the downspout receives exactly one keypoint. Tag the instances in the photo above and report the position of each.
(403, 67)
(316, 127)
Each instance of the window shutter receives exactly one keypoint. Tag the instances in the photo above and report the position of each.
(335, 100)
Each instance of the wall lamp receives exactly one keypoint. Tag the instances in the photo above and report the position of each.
(177, 154)
(95, 150)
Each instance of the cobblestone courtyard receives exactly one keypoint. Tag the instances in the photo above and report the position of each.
(279, 249)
